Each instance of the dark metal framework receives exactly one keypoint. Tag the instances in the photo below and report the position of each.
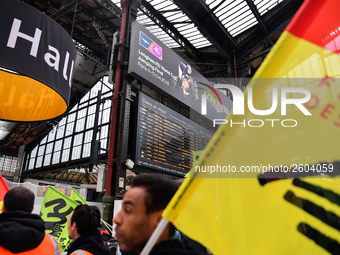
(74, 176)
(68, 144)
(266, 23)
(162, 22)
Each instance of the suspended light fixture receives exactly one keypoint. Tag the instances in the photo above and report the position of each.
(37, 57)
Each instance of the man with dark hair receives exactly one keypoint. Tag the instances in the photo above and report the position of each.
(22, 232)
(141, 212)
(83, 229)
(97, 211)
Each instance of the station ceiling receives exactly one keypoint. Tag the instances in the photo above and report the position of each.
(220, 38)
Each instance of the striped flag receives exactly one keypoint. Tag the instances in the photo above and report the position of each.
(278, 187)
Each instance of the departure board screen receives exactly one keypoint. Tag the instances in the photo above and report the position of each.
(166, 139)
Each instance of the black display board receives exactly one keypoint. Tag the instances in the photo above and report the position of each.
(165, 139)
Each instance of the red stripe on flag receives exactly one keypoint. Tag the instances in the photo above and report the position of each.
(317, 21)
(3, 188)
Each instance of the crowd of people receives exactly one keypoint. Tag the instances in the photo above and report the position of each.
(22, 232)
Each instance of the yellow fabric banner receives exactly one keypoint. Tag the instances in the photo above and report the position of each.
(75, 196)
(269, 184)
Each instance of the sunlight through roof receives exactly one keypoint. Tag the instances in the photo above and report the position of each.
(236, 16)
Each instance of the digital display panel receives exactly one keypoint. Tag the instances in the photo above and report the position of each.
(166, 140)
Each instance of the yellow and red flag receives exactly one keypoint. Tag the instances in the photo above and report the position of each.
(3, 190)
(277, 190)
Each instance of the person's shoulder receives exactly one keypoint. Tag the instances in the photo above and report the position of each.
(54, 241)
(81, 252)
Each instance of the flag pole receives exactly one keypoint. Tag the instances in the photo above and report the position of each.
(154, 237)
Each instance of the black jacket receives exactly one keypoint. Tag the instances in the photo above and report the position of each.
(91, 242)
(21, 231)
(171, 247)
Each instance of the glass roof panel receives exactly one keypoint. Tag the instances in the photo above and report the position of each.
(265, 5)
(246, 23)
(213, 3)
(178, 19)
(233, 14)
(5, 128)
(236, 16)
(116, 2)
(157, 31)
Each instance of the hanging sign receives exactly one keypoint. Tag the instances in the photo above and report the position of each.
(156, 65)
(37, 57)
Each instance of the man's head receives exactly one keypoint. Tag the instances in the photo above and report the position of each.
(97, 212)
(82, 220)
(19, 198)
(142, 209)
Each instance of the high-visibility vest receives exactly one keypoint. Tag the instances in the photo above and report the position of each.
(48, 246)
(81, 252)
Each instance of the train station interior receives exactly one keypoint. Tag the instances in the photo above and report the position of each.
(224, 41)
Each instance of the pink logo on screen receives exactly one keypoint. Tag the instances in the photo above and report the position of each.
(150, 45)
(156, 50)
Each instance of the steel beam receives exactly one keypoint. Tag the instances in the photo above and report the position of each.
(209, 25)
(167, 27)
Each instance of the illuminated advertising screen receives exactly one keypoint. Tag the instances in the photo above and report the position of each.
(158, 66)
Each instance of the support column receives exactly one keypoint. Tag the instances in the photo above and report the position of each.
(111, 176)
